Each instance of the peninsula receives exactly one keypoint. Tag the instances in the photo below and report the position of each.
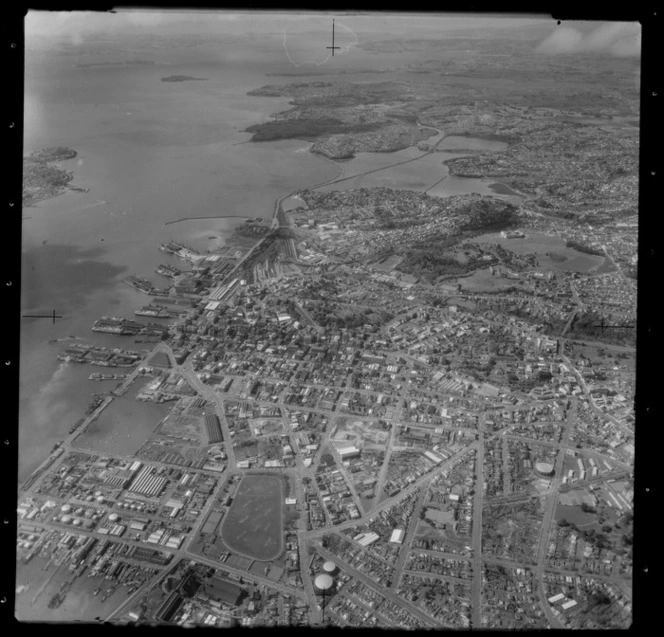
(41, 179)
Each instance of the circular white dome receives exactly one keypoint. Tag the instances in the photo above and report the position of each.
(544, 468)
(323, 582)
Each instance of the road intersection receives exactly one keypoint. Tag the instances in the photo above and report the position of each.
(308, 540)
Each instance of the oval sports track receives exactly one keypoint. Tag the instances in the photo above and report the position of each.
(253, 524)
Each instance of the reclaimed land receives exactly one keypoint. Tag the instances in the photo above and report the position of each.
(253, 524)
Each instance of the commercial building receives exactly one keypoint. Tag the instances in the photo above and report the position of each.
(146, 554)
(364, 539)
(348, 452)
(223, 591)
(433, 456)
(213, 428)
(148, 484)
(169, 607)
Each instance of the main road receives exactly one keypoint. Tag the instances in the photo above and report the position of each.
(404, 493)
(550, 507)
(384, 592)
(476, 587)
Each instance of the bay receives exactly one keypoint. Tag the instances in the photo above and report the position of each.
(149, 152)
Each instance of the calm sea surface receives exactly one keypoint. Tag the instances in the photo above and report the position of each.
(426, 173)
(149, 152)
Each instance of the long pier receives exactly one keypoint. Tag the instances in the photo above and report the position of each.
(58, 453)
(169, 223)
(88, 419)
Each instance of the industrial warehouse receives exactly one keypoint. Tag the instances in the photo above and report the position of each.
(213, 428)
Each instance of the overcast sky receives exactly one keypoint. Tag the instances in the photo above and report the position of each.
(90, 23)
(617, 39)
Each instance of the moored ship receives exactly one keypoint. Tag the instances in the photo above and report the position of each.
(155, 311)
(143, 285)
(116, 325)
(168, 271)
(97, 376)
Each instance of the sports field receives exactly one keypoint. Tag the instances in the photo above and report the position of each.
(565, 259)
(253, 524)
(484, 281)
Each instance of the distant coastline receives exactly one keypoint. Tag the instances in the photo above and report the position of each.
(123, 63)
(182, 78)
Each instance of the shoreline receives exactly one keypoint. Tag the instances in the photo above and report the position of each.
(65, 189)
(339, 179)
(33, 203)
(168, 223)
(277, 203)
(274, 225)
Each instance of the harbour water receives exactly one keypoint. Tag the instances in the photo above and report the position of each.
(124, 426)
(79, 604)
(149, 152)
(410, 169)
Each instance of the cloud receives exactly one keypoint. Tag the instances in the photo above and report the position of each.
(79, 27)
(47, 404)
(619, 39)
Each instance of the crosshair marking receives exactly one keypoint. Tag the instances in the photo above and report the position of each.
(333, 47)
(51, 316)
(603, 326)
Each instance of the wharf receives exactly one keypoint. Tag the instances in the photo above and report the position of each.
(92, 416)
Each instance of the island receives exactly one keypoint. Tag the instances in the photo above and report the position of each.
(182, 78)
